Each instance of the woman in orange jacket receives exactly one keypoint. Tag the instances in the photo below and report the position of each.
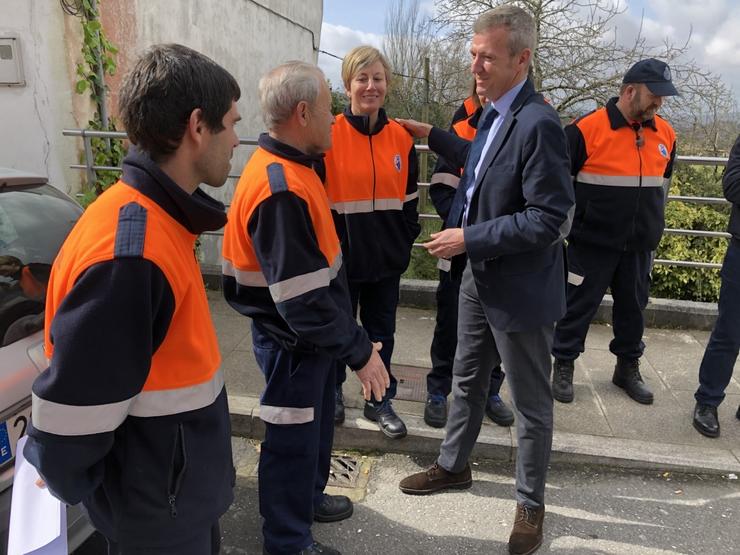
(371, 173)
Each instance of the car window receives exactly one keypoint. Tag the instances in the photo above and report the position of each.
(34, 221)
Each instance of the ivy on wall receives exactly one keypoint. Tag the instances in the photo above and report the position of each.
(98, 60)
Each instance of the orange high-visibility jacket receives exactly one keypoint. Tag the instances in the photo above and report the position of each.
(282, 261)
(189, 354)
(255, 185)
(621, 173)
(372, 190)
(465, 127)
(446, 176)
(131, 417)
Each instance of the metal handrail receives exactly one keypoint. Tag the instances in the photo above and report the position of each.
(91, 168)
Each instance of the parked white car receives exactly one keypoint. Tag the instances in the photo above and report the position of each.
(35, 218)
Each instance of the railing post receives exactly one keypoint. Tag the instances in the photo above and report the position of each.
(92, 177)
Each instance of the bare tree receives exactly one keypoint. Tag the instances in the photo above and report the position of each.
(410, 37)
(582, 55)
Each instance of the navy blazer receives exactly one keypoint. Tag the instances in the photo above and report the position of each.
(519, 214)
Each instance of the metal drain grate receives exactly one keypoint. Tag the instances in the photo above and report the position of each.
(344, 472)
(412, 382)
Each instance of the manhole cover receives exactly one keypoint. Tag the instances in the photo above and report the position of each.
(344, 472)
(412, 382)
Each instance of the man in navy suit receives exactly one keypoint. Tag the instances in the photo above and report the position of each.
(510, 215)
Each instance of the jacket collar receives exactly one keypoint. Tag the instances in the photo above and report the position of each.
(475, 117)
(362, 123)
(273, 146)
(196, 213)
(616, 119)
(526, 91)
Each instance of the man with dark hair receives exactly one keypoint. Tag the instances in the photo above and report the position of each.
(621, 160)
(720, 355)
(509, 215)
(131, 416)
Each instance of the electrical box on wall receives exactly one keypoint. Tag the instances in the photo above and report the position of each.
(11, 66)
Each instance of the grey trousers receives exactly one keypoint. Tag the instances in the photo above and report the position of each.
(526, 358)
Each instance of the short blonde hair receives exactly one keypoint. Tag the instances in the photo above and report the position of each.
(361, 57)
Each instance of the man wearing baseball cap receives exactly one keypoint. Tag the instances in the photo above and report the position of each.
(621, 162)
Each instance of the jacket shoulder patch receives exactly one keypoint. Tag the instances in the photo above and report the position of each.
(276, 177)
(131, 231)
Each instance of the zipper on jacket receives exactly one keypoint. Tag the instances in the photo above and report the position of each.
(372, 161)
(175, 481)
(639, 188)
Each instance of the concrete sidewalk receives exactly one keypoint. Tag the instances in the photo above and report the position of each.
(602, 425)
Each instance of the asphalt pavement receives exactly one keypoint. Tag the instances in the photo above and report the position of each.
(590, 510)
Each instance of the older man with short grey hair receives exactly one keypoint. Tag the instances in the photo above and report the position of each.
(283, 269)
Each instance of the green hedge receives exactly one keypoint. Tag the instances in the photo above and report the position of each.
(675, 282)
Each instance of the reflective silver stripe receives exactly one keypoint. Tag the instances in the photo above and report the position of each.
(286, 415)
(298, 285)
(243, 277)
(574, 279)
(335, 266)
(174, 401)
(388, 204)
(77, 420)
(353, 207)
(72, 420)
(445, 179)
(620, 180)
(411, 196)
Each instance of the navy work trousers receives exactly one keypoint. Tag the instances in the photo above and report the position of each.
(444, 342)
(377, 302)
(591, 270)
(297, 407)
(724, 343)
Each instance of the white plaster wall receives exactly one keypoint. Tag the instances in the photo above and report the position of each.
(248, 40)
(247, 37)
(32, 117)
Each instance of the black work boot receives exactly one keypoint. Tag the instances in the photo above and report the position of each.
(497, 411)
(435, 411)
(562, 380)
(627, 376)
(386, 419)
(737, 414)
(339, 407)
(705, 420)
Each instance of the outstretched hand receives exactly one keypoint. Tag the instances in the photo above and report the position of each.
(374, 376)
(417, 129)
(446, 243)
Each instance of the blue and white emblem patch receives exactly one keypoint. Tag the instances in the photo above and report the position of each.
(397, 162)
(663, 150)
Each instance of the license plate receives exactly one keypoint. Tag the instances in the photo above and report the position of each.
(11, 431)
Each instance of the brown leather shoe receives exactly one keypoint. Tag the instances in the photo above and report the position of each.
(526, 536)
(434, 479)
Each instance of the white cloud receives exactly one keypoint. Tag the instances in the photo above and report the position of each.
(711, 24)
(338, 40)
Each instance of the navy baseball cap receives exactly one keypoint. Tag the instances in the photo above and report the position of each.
(655, 74)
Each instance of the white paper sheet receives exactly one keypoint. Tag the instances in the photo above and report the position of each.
(38, 520)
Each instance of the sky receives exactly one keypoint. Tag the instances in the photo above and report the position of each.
(714, 26)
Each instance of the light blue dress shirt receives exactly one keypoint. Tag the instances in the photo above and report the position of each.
(502, 106)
